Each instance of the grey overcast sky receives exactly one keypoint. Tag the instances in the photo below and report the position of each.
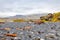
(24, 7)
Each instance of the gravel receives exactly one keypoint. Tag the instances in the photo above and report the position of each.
(35, 33)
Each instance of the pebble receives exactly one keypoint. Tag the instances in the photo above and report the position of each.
(32, 31)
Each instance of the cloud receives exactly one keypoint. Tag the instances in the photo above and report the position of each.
(6, 14)
(23, 7)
